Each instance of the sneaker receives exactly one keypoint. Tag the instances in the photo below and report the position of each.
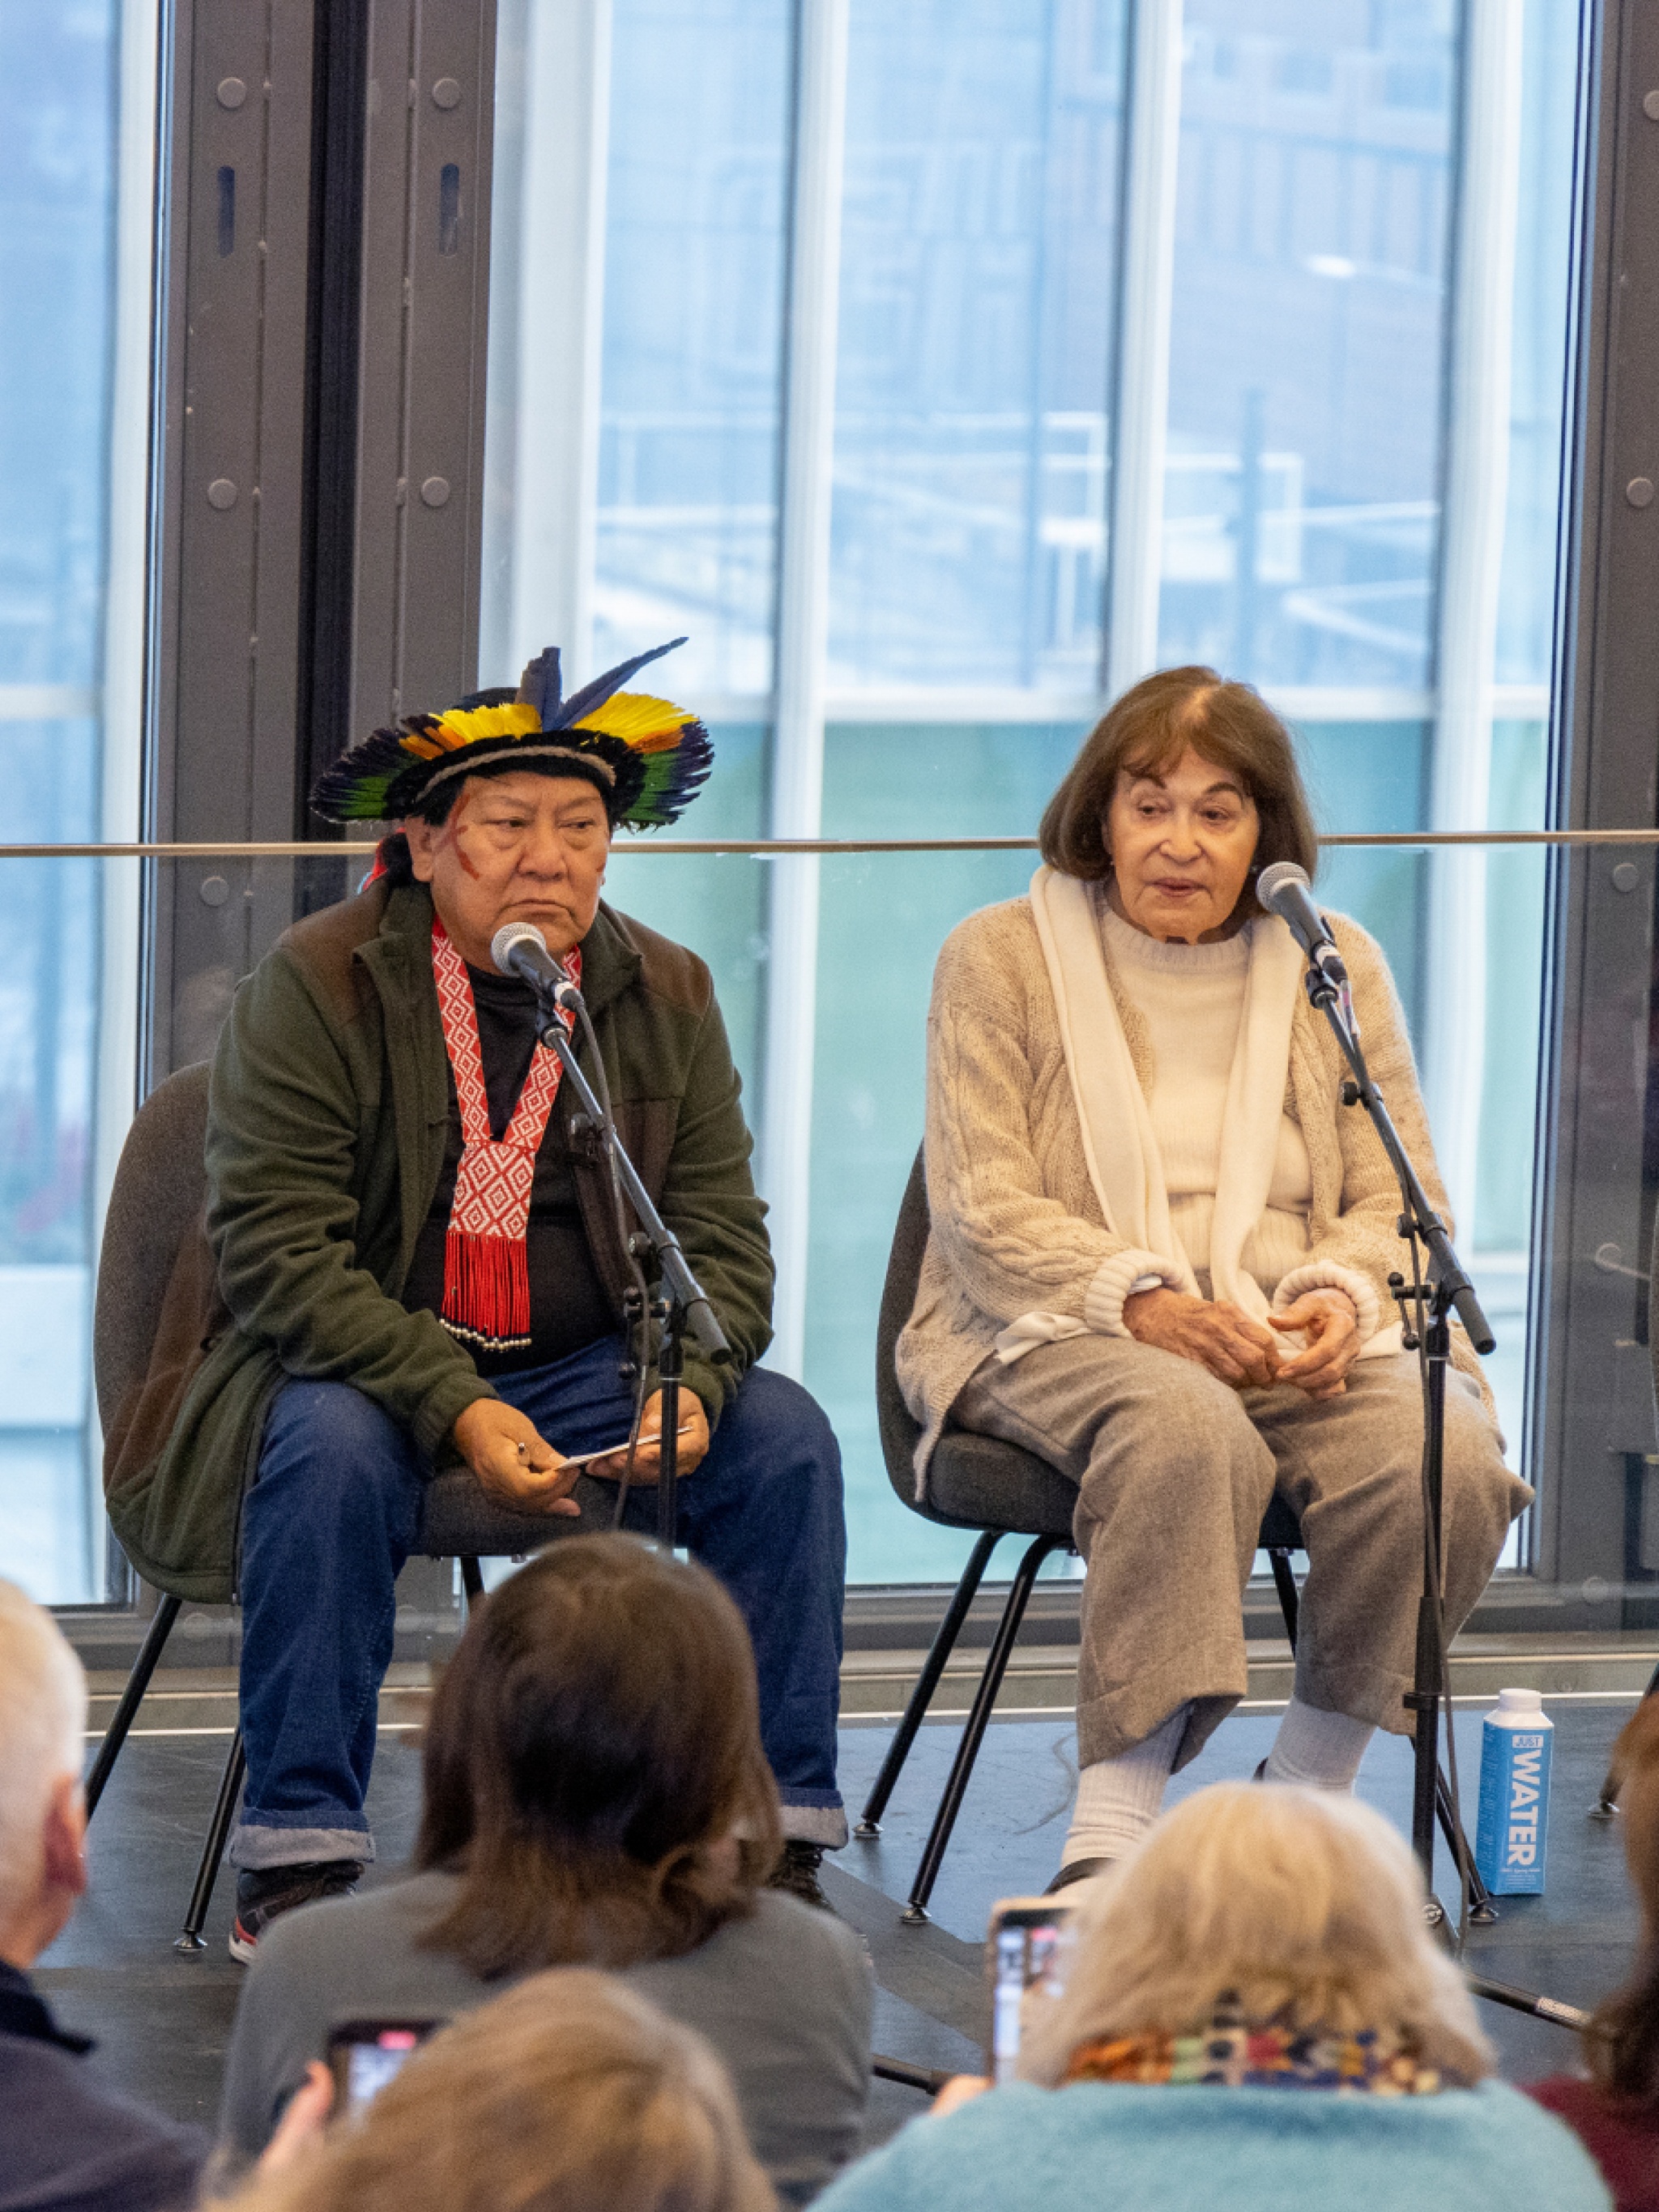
(263, 1894)
(796, 1873)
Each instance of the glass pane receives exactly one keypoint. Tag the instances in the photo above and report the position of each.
(696, 201)
(979, 253)
(72, 262)
(631, 511)
(1308, 338)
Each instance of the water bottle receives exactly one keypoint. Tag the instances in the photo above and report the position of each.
(1515, 1794)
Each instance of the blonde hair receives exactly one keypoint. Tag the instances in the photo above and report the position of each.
(569, 2093)
(1305, 1903)
(43, 1720)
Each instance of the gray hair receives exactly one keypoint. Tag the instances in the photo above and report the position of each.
(43, 1719)
(1303, 1903)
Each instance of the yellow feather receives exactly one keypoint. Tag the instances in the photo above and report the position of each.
(635, 716)
(466, 726)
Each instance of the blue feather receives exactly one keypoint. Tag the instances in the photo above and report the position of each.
(542, 686)
(596, 692)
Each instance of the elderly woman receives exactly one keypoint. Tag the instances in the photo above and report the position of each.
(1160, 1251)
(1254, 2013)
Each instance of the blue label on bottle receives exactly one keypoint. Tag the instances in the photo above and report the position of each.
(1515, 1787)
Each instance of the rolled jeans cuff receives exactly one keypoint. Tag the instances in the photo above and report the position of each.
(820, 1819)
(256, 1845)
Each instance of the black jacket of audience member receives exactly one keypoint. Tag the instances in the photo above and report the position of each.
(69, 2143)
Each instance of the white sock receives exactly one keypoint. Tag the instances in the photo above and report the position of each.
(1320, 1750)
(1118, 1799)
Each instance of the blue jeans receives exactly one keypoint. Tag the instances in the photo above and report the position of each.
(334, 1512)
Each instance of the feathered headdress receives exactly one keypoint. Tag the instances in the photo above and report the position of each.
(647, 757)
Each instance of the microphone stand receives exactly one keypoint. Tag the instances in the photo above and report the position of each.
(682, 1308)
(1447, 1290)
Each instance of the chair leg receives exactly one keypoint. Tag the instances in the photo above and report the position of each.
(189, 1939)
(996, 1666)
(1290, 1602)
(472, 1581)
(149, 1653)
(944, 1641)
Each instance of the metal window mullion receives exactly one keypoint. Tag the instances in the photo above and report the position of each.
(1473, 518)
(803, 623)
(121, 702)
(423, 355)
(226, 633)
(1590, 1382)
(1141, 408)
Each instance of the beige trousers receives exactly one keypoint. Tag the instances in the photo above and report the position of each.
(1173, 1471)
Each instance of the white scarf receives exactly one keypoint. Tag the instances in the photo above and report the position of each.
(1119, 1144)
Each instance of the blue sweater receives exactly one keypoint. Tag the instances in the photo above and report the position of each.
(1100, 2146)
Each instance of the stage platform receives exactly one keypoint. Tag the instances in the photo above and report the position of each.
(162, 2022)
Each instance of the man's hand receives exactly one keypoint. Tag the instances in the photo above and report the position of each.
(514, 1464)
(647, 1459)
(1222, 1338)
(1327, 1319)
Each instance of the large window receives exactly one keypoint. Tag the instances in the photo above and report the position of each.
(958, 366)
(75, 218)
(938, 371)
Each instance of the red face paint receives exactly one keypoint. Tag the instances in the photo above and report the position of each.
(452, 836)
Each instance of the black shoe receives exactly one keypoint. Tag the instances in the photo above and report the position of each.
(796, 1873)
(263, 1895)
(1079, 1870)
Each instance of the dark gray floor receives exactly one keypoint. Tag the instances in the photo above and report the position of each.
(163, 2021)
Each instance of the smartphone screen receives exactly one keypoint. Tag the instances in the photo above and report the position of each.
(1026, 1960)
(363, 2055)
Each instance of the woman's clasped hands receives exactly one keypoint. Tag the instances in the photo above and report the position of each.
(1246, 1353)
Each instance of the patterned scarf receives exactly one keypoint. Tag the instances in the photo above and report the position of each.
(486, 1258)
(1231, 2052)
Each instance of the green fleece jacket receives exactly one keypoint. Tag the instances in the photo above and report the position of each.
(328, 1116)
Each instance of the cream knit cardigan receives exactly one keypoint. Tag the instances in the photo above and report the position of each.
(1015, 1222)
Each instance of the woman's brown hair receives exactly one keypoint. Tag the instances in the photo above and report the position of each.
(1622, 2041)
(593, 1767)
(1146, 732)
(567, 2095)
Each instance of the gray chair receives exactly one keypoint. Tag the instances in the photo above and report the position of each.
(980, 1483)
(157, 1201)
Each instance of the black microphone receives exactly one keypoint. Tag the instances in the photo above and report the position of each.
(1284, 889)
(518, 948)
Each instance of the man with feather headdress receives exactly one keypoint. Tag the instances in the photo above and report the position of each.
(420, 1263)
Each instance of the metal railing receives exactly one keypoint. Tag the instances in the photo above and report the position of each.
(759, 847)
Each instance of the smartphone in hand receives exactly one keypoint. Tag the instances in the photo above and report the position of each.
(1024, 1958)
(363, 2055)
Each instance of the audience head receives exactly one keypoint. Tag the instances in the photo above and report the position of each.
(569, 2093)
(1146, 733)
(1302, 1905)
(593, 1764)
(1622, 2045)
(43, 1719)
